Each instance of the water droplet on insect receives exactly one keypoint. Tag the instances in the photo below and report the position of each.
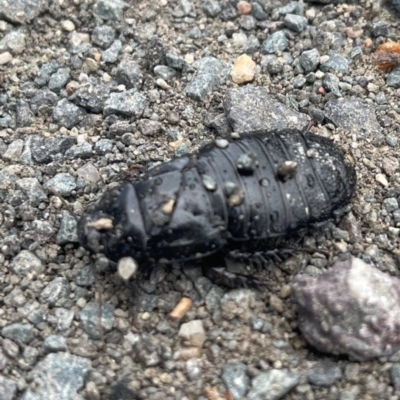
(234, 194)
(247, 163)
(221, 143)
(209, 183)
(229, 188)
(311, 153)
(287, 170)
(264, 182)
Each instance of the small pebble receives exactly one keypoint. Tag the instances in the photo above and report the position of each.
(243, 70)
(68, 25)
(243, 7)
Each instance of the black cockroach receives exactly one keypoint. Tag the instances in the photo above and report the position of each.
(239, 195)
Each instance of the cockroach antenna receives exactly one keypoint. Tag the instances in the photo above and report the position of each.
(98, 286)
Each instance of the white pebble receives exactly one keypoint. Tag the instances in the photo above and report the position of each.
(239, 39)
(380, 178)
(127, 267)
(68, 25)
(162, 84)
(5, 58)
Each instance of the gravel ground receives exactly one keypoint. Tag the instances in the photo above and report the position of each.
(93, 91)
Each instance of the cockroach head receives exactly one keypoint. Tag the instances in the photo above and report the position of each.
(91, 229)
(114, 226)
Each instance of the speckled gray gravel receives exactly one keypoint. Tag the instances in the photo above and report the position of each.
(93, 92)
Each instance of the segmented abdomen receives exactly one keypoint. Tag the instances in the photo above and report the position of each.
(299, 179)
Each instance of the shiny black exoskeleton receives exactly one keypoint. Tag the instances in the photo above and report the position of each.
(235, 194)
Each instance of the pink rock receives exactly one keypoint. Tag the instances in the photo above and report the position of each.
(351, 309)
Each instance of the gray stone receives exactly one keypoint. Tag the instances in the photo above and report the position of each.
(67, 114)
(33, 190)
(396, 4)
(43, 101)
(392, 140)
(258, 12)
(380, 28)
(8, 388)
(46, 71)
(186, 6)
(331, 84)
(14, 150)
(24, 115)
(273, 385)
(250, 109)
(85, 276)
(336, 63)
(22, 11)
(54, 343)
(13, 41)
(63, 183)
(390, 204)
(149, 127)
(88, 173)
(89, 317)
(15, 298)
(7, 122)
(194, 33)
(294, 7)
(109, 9)
(353, 115)
(64, 319)
(299, 81)
(235, 379)
(213, 298)
(295, 22)
(30, 355)
(351, 309)
(247, 22)
(25, 263)
(91, 96)
(277, 41)
(207, 78)
(103, 146)
(58, 376)
(129, 74)
(174, 61)
(393, 79)
(129, 103)
(395, 375)
(68, 232)
(57, 289)
(165, 72)
(103, 35)
(211, 8)
(111, 54)
(59, 79)
(43, 231)
(81, 151)
(148, 350)
(229, 13)
(256, 324)
(19, 332)
(325, 373)
(252, 45)
(309, 60)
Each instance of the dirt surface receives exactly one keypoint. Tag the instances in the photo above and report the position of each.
(94, 91)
